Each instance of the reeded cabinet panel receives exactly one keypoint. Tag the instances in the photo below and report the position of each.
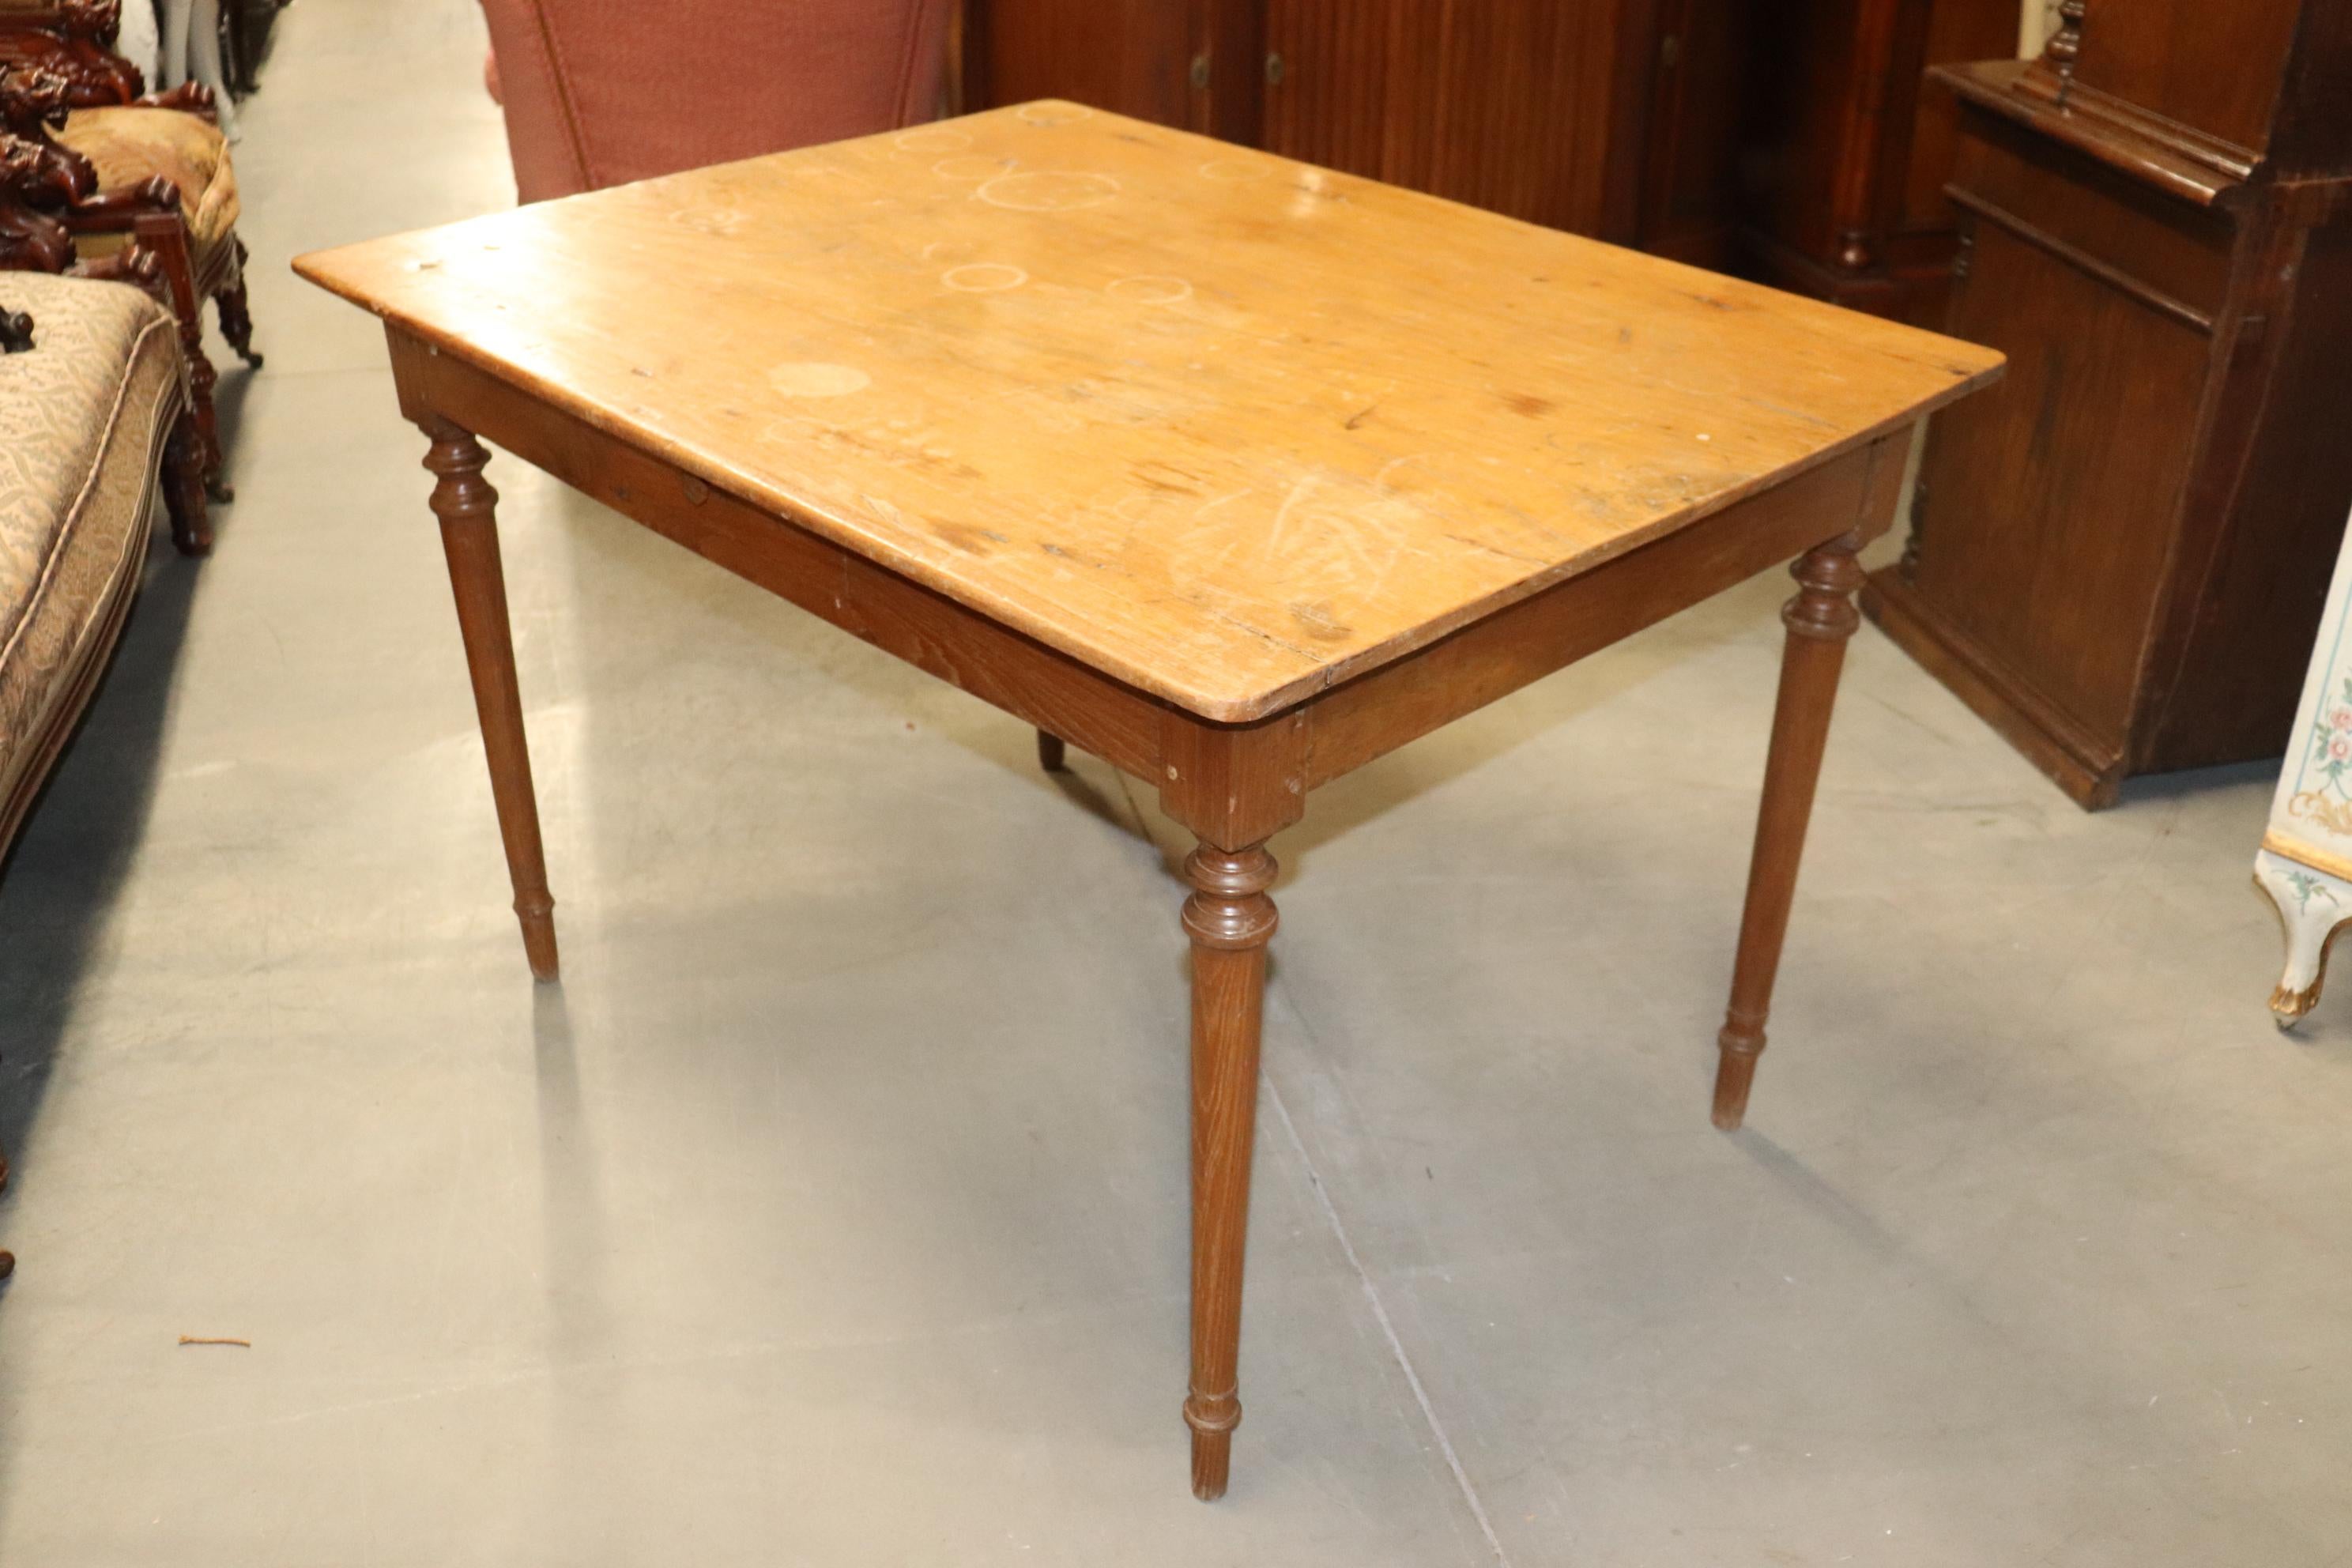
(1130, 56)
(1507, 104)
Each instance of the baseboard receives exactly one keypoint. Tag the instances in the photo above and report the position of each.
(2074, 760)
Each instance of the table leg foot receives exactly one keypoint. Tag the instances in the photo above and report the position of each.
(1230, 920)
(1734, 1071)
(1213, 1455)
(467, 508)
(2313, 909)
(1052, 755)
(1820, 619)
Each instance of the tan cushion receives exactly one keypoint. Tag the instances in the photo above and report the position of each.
(131, 146)
(82, 418)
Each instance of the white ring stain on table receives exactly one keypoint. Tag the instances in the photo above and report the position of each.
(815, 378)
(972, 166)
(1048, 191)
(983, 278)
(1149, 289)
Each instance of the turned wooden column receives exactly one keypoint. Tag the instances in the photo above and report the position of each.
(467, 508)
(1820, 619)
(1229, 919)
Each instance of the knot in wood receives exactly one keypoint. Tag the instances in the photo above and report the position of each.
(1229, 908)
(1209, 1413)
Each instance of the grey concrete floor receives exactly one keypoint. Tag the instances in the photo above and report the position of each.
(832, 1211)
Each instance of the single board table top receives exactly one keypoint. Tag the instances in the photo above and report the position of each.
(1226, 427)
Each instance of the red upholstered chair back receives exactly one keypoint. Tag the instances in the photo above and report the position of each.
(600, 93)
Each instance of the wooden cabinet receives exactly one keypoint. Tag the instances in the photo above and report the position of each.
(1788, 140)
(1507, 105)
(1574, 113)
(2119, 554)
(1846, 150)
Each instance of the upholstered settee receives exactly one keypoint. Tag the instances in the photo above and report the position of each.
(85, 415)
(89, 396)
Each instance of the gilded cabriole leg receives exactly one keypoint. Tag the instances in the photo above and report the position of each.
(1820, 619)
(467, 508)
(2313, 906)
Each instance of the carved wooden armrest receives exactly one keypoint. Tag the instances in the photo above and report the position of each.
(74, 38)
(34, 101)
(191, 97)
(133, 264)
(30, 239)
(119, 211)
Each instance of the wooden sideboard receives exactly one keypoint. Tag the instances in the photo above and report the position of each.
(2119, 555)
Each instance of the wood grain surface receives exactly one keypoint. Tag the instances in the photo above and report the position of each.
(1223, 426)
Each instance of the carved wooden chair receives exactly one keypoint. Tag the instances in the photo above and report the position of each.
(600, 93)
(151, 170)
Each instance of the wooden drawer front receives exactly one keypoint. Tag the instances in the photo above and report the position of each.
(2052, 499)
(2170, 254)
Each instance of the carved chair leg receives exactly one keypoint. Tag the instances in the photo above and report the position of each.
(467, 506)
(183, 487)
(1230, 920)
(236, 319)
(1820, 619)
(1051, 754)
(202, 379)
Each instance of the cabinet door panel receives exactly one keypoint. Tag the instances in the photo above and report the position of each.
(1330, 104)
(1507, 104)
(1133, 56)
(2052, 499)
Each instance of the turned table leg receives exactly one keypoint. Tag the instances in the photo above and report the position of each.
(1229, 919)
(1819, 620)
(467, 506)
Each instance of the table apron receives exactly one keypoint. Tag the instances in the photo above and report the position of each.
(1382, 710)
(1104, 716)
(1208, 773)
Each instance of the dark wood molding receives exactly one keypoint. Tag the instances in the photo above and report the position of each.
(2107, 272)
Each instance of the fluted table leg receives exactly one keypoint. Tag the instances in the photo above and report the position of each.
(1820, 619)
(1229, 919)
(467, 508)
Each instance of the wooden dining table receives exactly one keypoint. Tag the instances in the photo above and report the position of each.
(1234, 472)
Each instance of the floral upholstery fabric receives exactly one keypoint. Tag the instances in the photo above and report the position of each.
(131, 146)
(82, 420)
